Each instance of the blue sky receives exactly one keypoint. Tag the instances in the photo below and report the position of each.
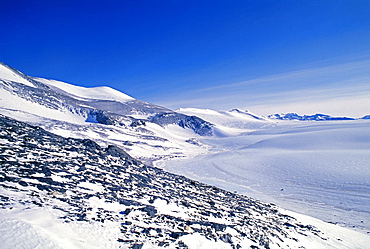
(267, 56)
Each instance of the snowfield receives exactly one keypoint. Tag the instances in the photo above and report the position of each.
(320, 169)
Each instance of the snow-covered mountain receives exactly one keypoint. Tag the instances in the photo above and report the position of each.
(97, 104)
(92, 190)
(71, 193)
(314, 117)
(148, 131)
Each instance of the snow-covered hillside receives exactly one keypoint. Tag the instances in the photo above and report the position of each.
(69, 193)
(148, 131)
(315, 168)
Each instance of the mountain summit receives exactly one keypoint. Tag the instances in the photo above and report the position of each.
(315, 117)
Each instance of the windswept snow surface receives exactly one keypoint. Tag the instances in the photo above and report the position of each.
(320, 169)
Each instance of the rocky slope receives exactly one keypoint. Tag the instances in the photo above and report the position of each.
(40, 170)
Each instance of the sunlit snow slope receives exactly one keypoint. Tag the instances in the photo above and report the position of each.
(10, 74)
(101, 93)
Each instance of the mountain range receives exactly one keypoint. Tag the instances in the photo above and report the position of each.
(77, 171)
(315, 117)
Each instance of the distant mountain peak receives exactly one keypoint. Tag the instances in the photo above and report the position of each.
(246, 112)
(238, 110)
(314, 117)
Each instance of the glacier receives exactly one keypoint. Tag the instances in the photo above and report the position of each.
(319, 169)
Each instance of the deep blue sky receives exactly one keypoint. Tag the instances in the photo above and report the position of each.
(177, 52)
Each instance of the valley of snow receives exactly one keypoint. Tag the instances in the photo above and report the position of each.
(317, 168)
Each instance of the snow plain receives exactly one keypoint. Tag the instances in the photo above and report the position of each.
(316, 168)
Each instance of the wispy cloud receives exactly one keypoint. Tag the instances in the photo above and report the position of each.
(341, 83)
(344, 101)
(299, 78)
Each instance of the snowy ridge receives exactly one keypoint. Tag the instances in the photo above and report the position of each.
(140, 127)
(11, 74)
(62, 193)
(98, 93)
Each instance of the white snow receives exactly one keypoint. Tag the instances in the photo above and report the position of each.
(229, 123)
(339, 237)
(94, 187)
(14, 106)
(41, 228)
(319, 169)
(171, 209)
(59, 178)
(95, 202)
(195, 241)
(8, 74)
(234, 118)
(98, 93)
